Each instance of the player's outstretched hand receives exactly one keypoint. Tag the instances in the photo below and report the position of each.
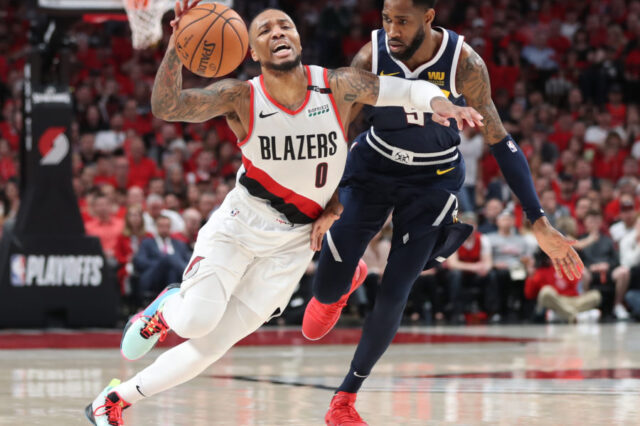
(181, 9)
(558, 248)
(443, 110)
(323, 223)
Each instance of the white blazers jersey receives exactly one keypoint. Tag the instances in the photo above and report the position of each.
(294, 159)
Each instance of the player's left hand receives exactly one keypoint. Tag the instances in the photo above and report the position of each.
(558, 248)
(443, 110)
(181, 9)
(322, 225)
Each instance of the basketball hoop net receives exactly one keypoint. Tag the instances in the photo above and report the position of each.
(145, 19)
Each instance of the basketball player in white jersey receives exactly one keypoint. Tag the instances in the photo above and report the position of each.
(254, 249)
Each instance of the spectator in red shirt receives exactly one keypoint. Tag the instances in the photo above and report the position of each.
(562, 132)
(141, 168)
(617, 109)
(133, 121)
(205, 167)
(554, 291)
(104, 170)
(128, 242)
(468, 268)
(582, 207)
(10, 128)
(557, 41)
(352, 43)
(609, 158)
(121, 172)
(626, 185)
(7, 162)
(105, 225)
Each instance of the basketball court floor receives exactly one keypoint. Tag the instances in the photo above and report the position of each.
(587, 374)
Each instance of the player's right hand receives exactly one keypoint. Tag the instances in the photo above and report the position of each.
(181, 9)
(443, 110)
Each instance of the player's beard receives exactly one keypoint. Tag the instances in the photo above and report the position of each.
(412, 48)
(284, 66)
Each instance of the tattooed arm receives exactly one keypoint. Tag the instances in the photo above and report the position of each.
(352, 85)
(472, 81)
(361, 61)
(170, 102)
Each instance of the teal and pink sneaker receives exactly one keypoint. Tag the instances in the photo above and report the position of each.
(106, 409)
(147, 327)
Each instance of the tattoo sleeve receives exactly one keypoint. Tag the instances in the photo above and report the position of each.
(356, 121)
(472, 81)
(354, 85)
(169, 102)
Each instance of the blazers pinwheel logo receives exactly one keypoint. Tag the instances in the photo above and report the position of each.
(53, 146)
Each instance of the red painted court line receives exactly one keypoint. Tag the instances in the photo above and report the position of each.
(265, 337)
(569, 374)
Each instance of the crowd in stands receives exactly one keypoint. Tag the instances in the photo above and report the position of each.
(565, 80)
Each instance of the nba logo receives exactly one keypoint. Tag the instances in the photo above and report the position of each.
(234, 212)
(18, 270)
(512, 146)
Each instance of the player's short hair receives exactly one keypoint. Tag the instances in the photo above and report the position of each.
(427, 4)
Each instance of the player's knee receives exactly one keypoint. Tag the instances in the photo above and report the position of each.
(200, 323)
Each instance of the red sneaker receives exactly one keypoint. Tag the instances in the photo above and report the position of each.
(319, 318)
(342, 411)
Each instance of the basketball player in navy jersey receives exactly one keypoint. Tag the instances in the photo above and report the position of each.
(254, 249)
(407, 164)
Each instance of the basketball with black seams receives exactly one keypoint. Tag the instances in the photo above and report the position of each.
(211, 40)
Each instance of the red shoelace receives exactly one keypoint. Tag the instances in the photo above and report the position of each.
(113, 411)
(154, 325)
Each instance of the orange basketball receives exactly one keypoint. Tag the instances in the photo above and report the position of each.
(211, 40)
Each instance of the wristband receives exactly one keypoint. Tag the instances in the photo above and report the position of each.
(418, 94)
(515, 169)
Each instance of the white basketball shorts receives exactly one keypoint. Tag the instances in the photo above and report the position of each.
(256, 253)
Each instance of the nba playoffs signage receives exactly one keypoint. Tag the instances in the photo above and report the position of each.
(56, 271)
(51, 273)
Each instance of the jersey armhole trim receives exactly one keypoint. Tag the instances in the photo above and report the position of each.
(335, 106)
(454, 66)
(374, 51)
(251, 114)
(282, 107)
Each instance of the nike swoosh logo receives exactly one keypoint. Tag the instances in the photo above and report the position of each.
(393, 73)
(139, 391)
(263, 115)
(441, 172)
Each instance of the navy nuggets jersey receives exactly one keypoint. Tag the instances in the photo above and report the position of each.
(407, 129)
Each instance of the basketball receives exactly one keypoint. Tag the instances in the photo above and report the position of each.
(211, 40)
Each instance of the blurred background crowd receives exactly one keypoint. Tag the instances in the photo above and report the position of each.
(565, 79)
